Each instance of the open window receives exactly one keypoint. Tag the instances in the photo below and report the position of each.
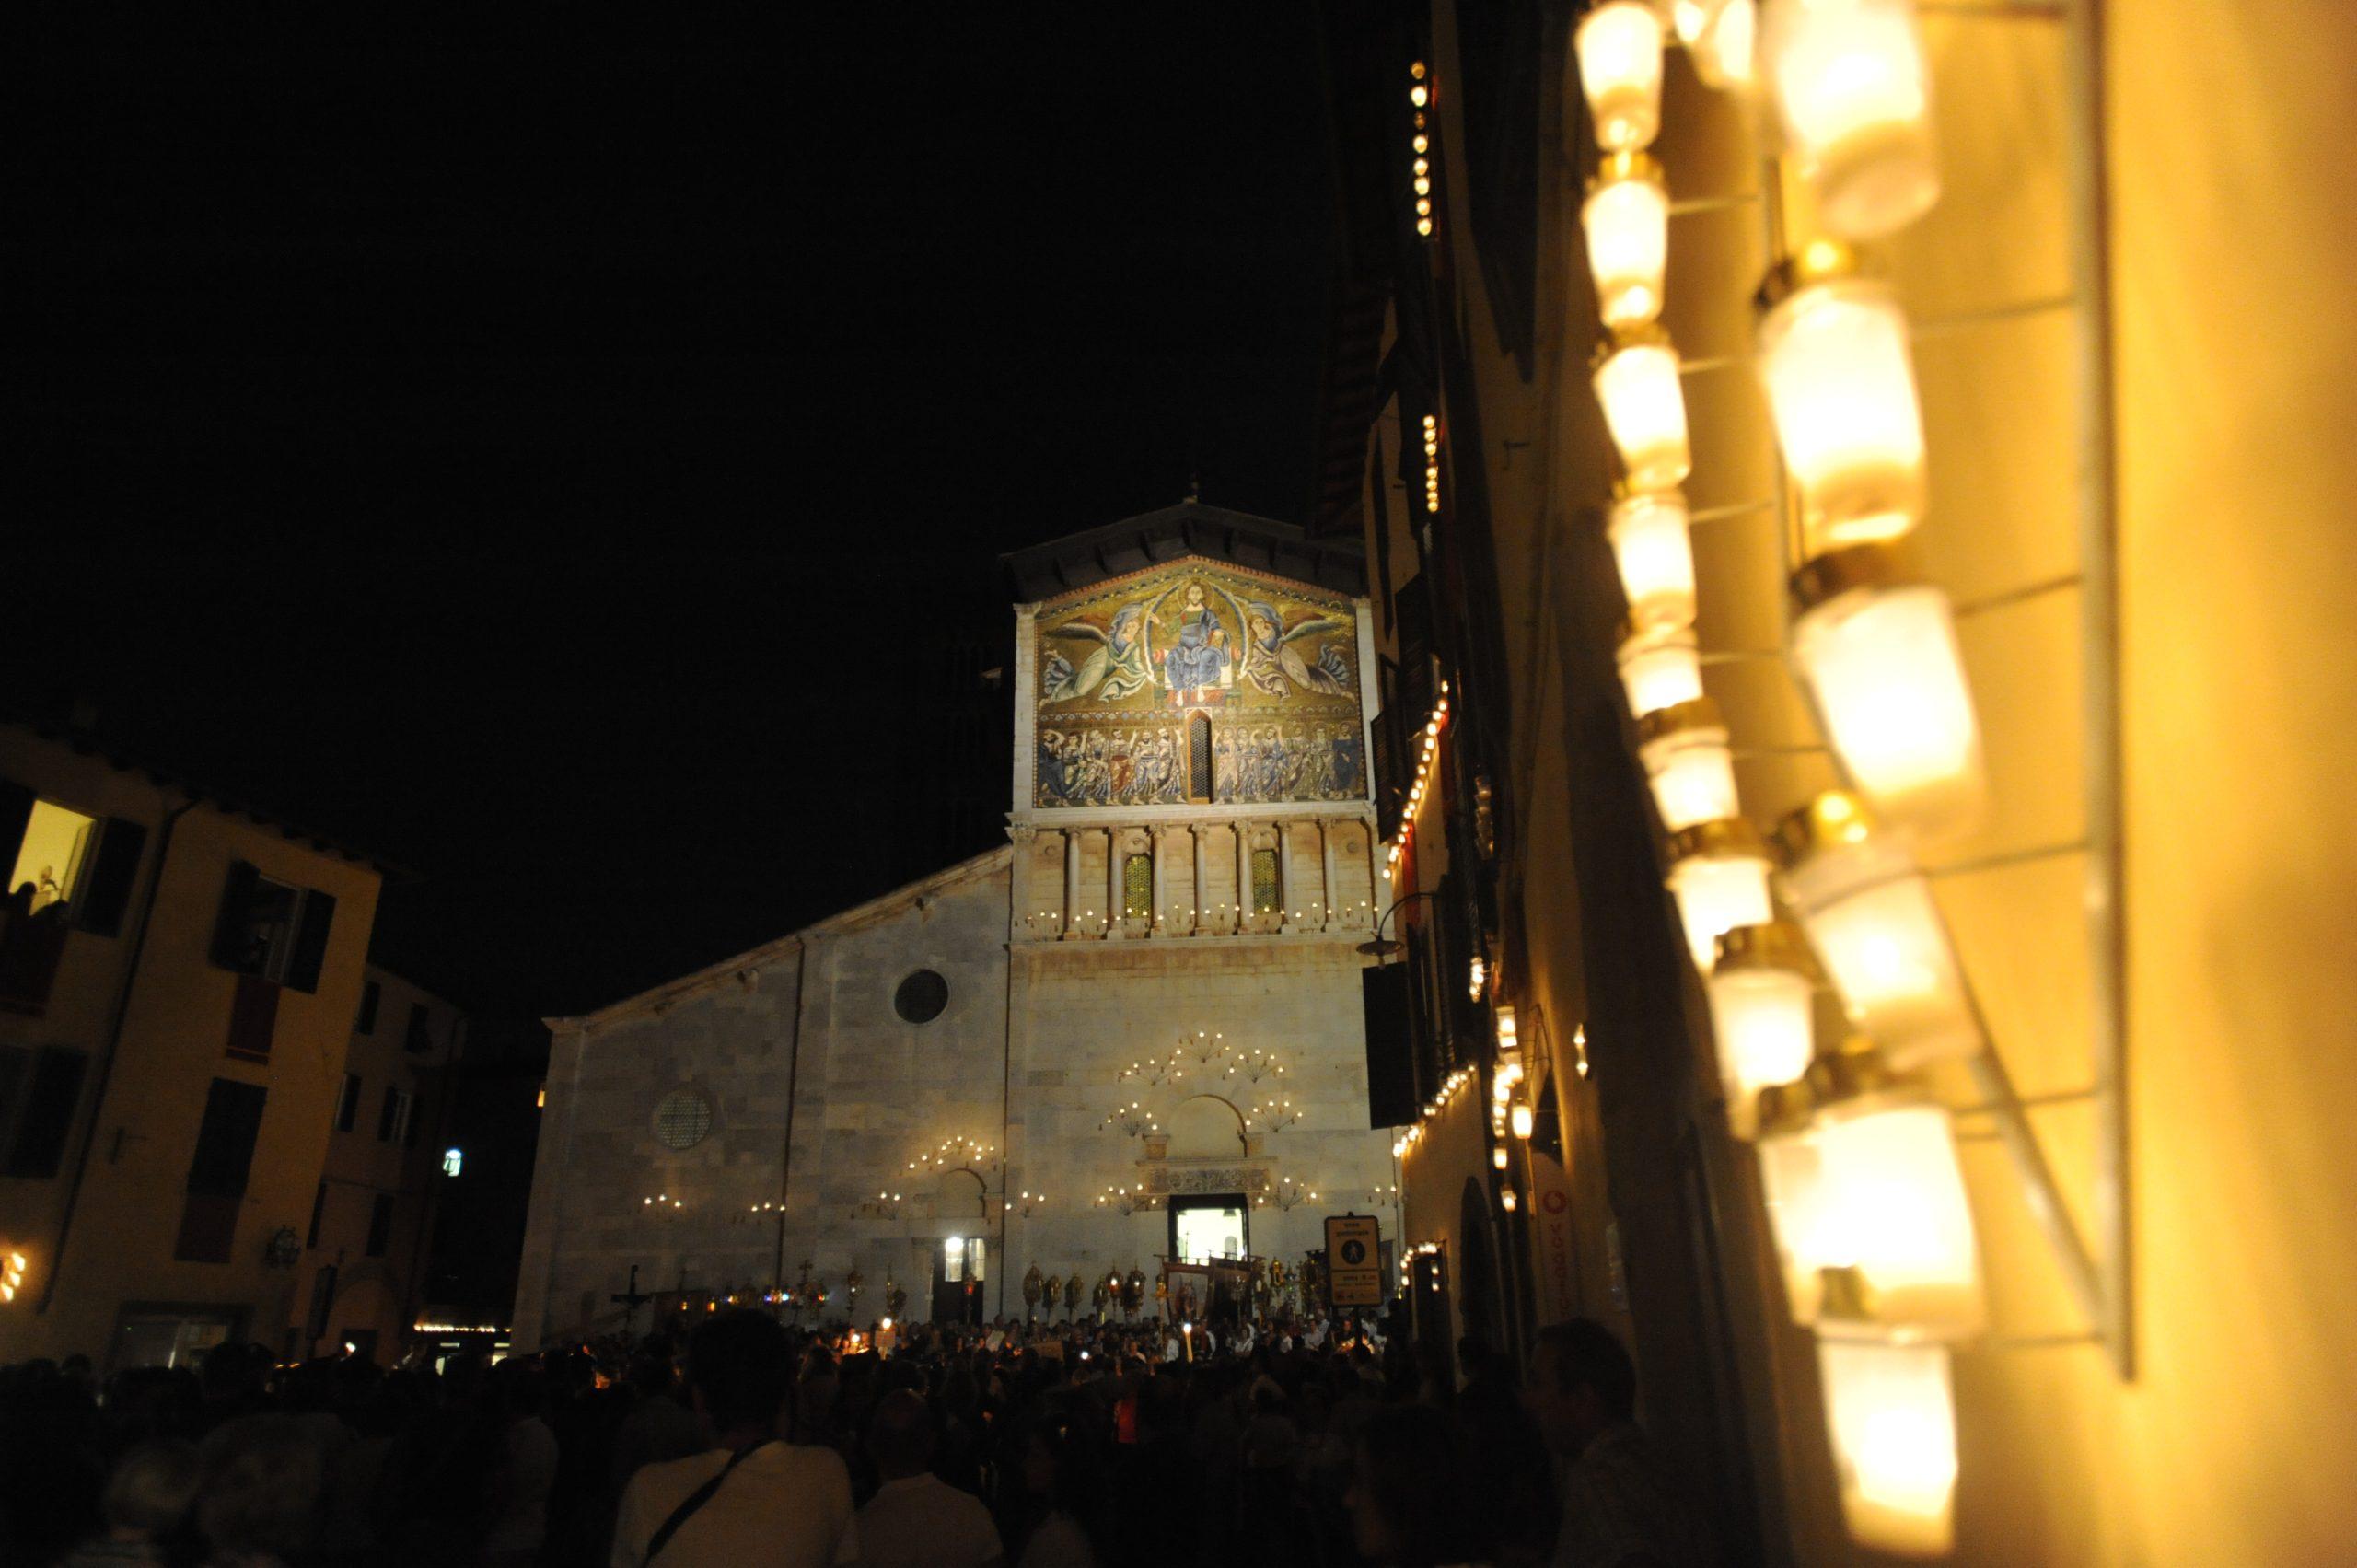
(273, 929)
(68, 870)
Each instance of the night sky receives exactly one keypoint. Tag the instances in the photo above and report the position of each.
(531, 458)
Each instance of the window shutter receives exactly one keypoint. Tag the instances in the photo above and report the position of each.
(380, 1224)
(231, 937)
(347, 1109)
(50, 1103)
(106, 887)
(311, 940)
(225, 1144)
(16, 813)
(385, 1117)
(1390, 1050)
(254, 1019)
(416, 1129)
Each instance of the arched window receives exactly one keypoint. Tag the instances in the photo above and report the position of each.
(1265, 890)
(1137, 887)
(1199, 757)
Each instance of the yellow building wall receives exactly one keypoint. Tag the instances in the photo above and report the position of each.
(119, 1248)
(2227, 157)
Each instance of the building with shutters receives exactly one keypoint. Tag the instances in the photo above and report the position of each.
(1133, 1032)
(388, 1166)
(178, 980)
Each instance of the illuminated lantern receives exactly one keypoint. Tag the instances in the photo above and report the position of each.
(1652, 547)
(1659, 665)
(1870, 917)
(1686, 756)
(1645, 407)
(1891, 1414)
(1853, 95)
(1521, 1119)
(1859, 1168)
(1507, 1199)
(1719, 36)
(1878, 652)
(1762, 999)
(1833, 358)
(1498, 1156)
(1618, 47)
(1719, 872)
(1626, 222)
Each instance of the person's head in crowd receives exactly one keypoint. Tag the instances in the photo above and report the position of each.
(1412, 1501)
(1582, 1382)
(259, 1494)
(740, 1366)
(148, 1497)
(900, 1436)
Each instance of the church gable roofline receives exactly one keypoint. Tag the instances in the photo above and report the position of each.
(739, 970)
(1213, 533)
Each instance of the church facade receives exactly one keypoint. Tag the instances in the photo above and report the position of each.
(1133, 1033)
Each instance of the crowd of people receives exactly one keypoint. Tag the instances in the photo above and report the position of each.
(743, 1441)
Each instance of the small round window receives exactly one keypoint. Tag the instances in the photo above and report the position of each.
(922, 997)
(682, 1120)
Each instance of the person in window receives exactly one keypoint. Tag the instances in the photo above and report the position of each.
(751, 1498)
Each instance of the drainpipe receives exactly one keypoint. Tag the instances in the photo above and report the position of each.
(106, 1061)
(793, 1088)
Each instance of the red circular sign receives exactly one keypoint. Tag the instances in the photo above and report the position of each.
(1554, 1202)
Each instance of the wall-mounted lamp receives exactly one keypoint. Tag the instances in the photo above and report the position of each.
(1719, 872)
(1507, 1199)
(1878, 651)
(1660, 667)
(1619, 51)
(1626, 222)
(1719, 36)
(1870, 918)
(1645, 407)
(1891, 1413)
(1655, 552)
(1688, 762)
(1866, 1198)
(1761, 1004)
(1498, 1156)
(1521, 1120)
(1833, 358)
(1853, 95)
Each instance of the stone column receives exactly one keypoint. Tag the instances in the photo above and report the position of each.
(1201, 916)
(1028, 921)
(1286, 886)
(1072, 885)
(1117, 912)
(1154, 927)
(1326, 852)
(1243, 876)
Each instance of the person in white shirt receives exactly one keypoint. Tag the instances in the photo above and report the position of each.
(751, 1498)
(916, 1520)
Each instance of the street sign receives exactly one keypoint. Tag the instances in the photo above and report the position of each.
(1354, 1260)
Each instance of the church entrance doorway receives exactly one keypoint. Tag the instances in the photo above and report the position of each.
(958, 1270)
(1205, 1228)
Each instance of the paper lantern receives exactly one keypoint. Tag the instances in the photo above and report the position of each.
(1655, 552)
(1626, 223)
(1852, 96)
(1619, 49)
(1833, 358)
(1890, 1412)
(1719, 873)
(1762, 1006)
(1645, 408)
(1686, 759)
(1878, 652)
(1659, 667)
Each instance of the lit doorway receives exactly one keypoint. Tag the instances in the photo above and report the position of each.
(958, 1263)
(1205, 1228)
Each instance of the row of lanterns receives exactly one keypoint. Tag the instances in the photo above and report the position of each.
(1858, 1162)
(1456, 1084)
(1427, 760)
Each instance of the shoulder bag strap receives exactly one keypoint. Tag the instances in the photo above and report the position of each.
(697, 1499)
